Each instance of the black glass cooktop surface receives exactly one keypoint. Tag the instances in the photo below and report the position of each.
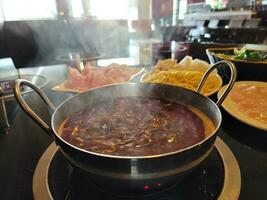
(208, 181)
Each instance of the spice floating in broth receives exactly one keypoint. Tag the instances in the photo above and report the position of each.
(135, 126)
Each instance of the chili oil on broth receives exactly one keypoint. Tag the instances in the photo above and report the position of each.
(136, 126)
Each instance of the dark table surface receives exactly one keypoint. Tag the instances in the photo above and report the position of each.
(23, 146)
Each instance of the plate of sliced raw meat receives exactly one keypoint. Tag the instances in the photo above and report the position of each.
(93, 77)
(247, 102)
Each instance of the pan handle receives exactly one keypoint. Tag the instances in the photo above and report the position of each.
(26, 107)
(230, 84)
(135, 77)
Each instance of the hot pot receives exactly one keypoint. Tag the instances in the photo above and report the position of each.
(132, 172)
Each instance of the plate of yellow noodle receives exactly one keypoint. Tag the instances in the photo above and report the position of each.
(186, 64)
(187, 79)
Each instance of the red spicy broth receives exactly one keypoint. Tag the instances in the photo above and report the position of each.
(136, 126)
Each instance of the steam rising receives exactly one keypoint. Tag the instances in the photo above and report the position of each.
(46, 42)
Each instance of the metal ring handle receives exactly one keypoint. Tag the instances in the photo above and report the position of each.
(135, 76)
(26, 107)
(230, 84)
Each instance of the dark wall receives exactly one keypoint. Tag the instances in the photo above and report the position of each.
(19, 42)
(3, 52)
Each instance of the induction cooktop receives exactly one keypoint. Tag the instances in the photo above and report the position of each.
(218, 177)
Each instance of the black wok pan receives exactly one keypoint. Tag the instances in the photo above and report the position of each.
(132, 172)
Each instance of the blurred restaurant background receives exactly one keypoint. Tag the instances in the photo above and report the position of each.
(40, 33)
(66, 47)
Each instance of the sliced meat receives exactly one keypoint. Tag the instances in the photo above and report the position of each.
(251, 100)
(91, 77)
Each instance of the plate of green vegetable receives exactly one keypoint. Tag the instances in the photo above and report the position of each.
(251, 64)
(241, 54)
